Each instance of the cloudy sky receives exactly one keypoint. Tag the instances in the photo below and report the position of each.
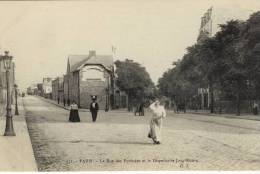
(40, 35)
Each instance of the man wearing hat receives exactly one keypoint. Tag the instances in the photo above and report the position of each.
(94, 108)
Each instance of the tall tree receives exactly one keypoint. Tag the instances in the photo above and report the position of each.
(134, 79)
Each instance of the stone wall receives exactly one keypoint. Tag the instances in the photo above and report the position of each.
(90, 80)
(66, 88)
(89, 88)
(94, 80)
(55, 86)
(74, 87)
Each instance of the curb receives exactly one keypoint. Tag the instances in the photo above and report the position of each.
(222, 115)
(48, 100)
(24, 115)
(52, 102)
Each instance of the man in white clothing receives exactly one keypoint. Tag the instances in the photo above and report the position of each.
(159, 113)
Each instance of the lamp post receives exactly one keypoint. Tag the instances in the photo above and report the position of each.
(9, 130)
(16, 94)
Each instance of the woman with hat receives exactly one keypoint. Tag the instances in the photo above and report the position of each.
(74, 112)
(159, 113)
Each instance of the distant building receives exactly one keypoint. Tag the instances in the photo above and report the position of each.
(89, 75)
(47, 87)
(216, 16)
(40, 89)
(57, 89)
(206, 26)
(32, 89)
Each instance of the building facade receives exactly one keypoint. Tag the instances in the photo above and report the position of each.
(47, 87)
(57, 89)
(89, 75)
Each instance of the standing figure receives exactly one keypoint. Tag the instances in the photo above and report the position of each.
(64, 102)
(94, 108)
(159, 113)
(68, 102)
(136, 109)
(141, 109)
(255, 108)
(74, 112)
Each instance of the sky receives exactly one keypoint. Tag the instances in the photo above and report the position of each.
(41, 34)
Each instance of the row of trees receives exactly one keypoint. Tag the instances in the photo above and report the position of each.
(228, 63)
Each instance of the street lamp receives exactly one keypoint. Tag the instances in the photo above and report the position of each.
(9, 130)
(16, 105)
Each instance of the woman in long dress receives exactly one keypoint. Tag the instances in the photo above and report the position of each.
(159, 113)
(74, 112)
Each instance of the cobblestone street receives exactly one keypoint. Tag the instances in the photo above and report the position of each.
(118, 141)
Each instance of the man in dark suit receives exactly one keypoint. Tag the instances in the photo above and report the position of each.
(94, 108)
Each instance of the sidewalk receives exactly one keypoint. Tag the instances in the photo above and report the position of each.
(68, 108)
(199, 112)
(59, 105)
(206, 113)
(16, 152)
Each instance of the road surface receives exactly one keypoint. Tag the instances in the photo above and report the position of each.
(118, 141)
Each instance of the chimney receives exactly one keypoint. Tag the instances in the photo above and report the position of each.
(92, 53)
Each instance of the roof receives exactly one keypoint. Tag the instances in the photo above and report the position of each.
(76, 62)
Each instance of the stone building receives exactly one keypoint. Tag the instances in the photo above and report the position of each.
(89, 75)
(57, 89)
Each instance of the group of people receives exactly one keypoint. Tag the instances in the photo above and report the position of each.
(157, 109)
(74, 110)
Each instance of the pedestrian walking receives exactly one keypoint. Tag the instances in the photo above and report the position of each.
(94, 108)
(159, 113)
(74, 112)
